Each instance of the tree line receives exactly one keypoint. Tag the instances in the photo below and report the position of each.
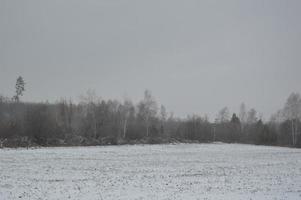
(94, 121)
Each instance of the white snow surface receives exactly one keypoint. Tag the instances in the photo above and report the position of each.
(181, 171)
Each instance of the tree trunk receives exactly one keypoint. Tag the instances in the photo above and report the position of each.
(293, 133)
(124, 128)
(94, 126)
(297, 133)
(147, 131)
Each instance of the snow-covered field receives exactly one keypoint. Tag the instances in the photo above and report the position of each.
(182, 171)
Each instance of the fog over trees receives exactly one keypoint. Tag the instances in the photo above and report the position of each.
(95, 121)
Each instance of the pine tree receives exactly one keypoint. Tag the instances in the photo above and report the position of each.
(20, 88)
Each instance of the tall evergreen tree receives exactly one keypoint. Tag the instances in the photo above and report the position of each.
(20, 88)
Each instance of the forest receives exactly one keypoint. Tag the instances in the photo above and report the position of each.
(94, 121)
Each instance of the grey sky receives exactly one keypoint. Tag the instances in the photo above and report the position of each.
(195, 56)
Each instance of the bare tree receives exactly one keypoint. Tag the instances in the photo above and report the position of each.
(89, 101)
(243, 113)
(163, 116)
(277, 117)
(292, 111)
(163, 113)
(223, 115)
(252, 116)
(147, 109)
(125, 111)
(242, 116)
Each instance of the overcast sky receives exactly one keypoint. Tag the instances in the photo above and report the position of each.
(195, 56)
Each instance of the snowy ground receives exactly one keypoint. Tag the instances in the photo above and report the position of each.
(182, 171)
